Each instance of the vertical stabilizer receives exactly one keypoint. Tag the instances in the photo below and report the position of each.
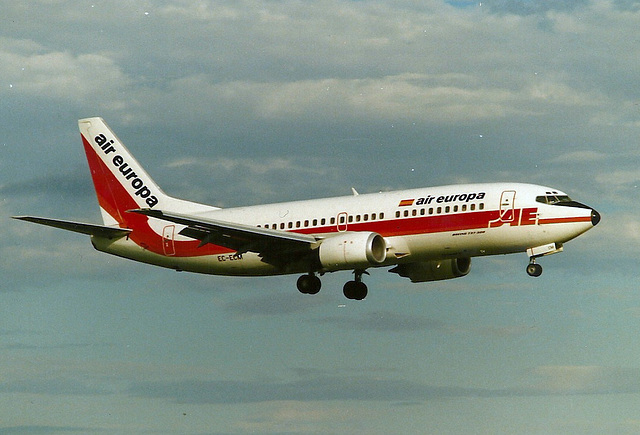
(120, 181)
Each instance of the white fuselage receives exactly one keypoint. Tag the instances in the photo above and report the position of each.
(423, 224)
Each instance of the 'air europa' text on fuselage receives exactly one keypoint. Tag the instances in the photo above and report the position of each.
(461, 197)
(118, 161)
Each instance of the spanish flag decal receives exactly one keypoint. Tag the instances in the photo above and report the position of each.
(406, 203)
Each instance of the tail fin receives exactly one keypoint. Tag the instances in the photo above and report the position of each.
(120, 181)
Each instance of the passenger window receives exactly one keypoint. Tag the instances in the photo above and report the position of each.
(473, 207)
(365, 217)
(333, 221)
(447, 209)
(422, 211)
(373, 216)
(350, 219)
(358, 218)
(455, 208)
(282, 226)
(290, 225)
(481, 207)
(439, 210)
(381, 215)
(397, 214)
(406, 213)
(431, 210)
(323, 221)
(464, 207)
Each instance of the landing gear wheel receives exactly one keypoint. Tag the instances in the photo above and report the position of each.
(309, 284)
(534, 269)
(356, 290)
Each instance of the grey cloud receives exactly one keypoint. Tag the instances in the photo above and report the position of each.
(586, 380)
(54, 386)
(389, 321)
(528, 7)
(272, 304)
(35, 430)
(628, 5)
(385, 321)
(48, 347)
(69, 185)
(314, 385)
(315, 389)
(367, 388)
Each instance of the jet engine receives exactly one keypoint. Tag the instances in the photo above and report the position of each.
(352, 250)
(434, 270)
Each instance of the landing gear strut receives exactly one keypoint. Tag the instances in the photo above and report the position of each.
(309, 284)
(356, 289)
(534, 269)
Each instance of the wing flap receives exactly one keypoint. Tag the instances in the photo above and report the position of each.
(78, 227)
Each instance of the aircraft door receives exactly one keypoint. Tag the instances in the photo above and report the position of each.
(168, 245)
(507, 200)
(342, 221)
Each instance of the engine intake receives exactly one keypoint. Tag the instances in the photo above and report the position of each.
(434, 270)
(355, 250)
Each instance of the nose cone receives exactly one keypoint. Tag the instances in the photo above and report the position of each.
(595, 217)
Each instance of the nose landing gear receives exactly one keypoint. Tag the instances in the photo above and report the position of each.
(534, 269)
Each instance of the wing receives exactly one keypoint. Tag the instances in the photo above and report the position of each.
(275, 247)
(78, 227)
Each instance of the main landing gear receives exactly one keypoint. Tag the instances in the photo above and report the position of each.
(310, 285)
(356, 289)
(534, 269)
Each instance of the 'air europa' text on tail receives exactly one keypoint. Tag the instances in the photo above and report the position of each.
(118, 161)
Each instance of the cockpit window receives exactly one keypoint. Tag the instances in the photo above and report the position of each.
(552, 199)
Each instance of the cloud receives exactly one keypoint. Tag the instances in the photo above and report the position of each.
(313, 389)
(272, 305)
(587, 380)
(57, 185)
(34, 430)
(52, 386)
(385, 321)
(296, 417)
(32, 70)
(546, 381)
(579, 157)
(526, 7)
(390, 321)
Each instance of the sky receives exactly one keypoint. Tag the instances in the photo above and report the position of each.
(235, 103)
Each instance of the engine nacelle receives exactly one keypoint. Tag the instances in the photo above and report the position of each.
(434, 270)
(357, 250)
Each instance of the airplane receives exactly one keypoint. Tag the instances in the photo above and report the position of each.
(424, 234)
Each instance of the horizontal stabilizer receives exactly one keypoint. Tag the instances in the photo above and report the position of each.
(78, 227)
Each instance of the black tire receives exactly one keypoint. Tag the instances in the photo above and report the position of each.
(355, 290)
(309, 284)
(534, 269)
